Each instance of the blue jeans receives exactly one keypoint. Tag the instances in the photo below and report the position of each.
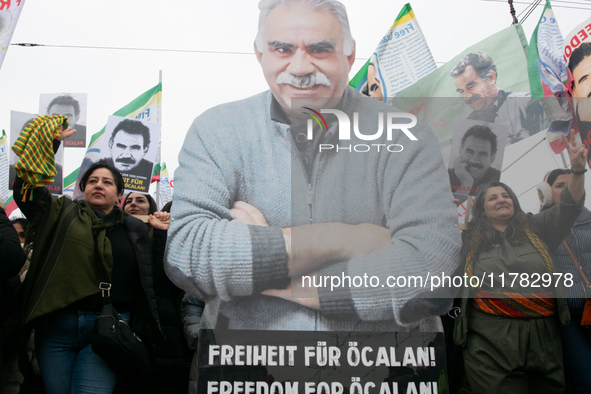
(65, 356)
(576, 350)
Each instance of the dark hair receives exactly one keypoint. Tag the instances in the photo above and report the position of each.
(484, 133)
(153, 207)
(579, 54)
(480, 225)
(65, 100)
(482, 63)
(103, 164)
(24, 223)
(132, 126)
(167, 207)
(556, 173)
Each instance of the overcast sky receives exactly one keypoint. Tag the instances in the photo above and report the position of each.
(204, 49)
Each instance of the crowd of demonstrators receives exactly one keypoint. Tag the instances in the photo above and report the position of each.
(515, 349)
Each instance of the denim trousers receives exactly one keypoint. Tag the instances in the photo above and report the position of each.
(576, 350)
(65, 356)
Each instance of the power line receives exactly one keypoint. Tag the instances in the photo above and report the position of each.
(556, 6)
(521, 157)
(531, 10)
(23, 44)
(553, 155)
(31, 45)
(571, 2)
(526, 9)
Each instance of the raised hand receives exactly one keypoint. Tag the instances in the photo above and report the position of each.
(463, 174)
(65, 133)
(309, 294)
(577, 153)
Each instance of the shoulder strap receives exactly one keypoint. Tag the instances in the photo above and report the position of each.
(105, 284)
(577, 263)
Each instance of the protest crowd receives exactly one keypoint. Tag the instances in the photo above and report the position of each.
(107, 292)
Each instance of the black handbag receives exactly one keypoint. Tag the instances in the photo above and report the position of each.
(115, 342)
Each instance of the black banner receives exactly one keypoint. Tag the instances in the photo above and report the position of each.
(311, 362)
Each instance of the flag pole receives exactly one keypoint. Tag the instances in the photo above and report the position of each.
(158, 196)
(512, 12)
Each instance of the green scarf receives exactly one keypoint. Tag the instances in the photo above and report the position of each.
(99, 231)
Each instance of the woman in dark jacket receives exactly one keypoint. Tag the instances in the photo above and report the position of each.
(61, 298)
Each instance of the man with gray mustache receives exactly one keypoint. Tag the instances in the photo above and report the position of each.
(475, 77)
(472, 168)
(307, 81)
(251, 188)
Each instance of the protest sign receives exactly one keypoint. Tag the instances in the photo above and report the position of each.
(145, 107)
(130, 146)
(273, 362)
(72, 105)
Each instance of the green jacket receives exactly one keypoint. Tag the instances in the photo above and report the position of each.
(64, 248)
(554, 223)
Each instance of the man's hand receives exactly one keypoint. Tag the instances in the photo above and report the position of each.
(310, 294)
(247, 214)
(577, 153)
(367, 238)
(312, 245)
(461, 172)
(65, 133)
(157, 220)
(578, 158)
(317, 244)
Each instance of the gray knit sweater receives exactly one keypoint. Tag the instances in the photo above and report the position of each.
(235, 152)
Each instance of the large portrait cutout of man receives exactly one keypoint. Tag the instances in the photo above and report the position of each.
(130, 145)
(241, 174)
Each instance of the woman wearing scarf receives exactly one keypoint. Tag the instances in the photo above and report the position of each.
(61, 297)
(510, 330)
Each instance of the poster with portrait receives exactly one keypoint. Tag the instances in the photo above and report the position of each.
(130, 145)
(18, 121)
(577, 53)
(476, 156)
(438, 98)
(72, 105)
